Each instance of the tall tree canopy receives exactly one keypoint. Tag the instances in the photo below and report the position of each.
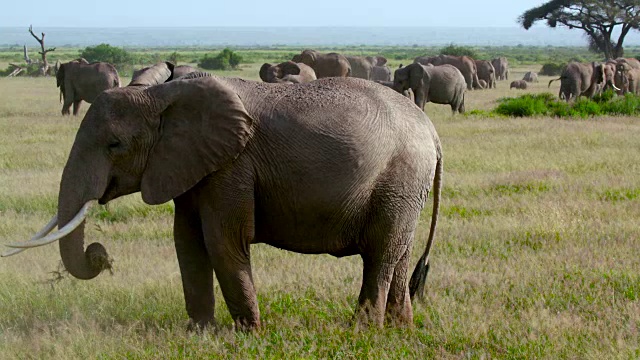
(597, 18)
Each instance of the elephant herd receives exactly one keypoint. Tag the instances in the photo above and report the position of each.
(441, 79)
(589, 79)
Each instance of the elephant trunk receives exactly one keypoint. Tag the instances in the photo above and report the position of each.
(74, 193)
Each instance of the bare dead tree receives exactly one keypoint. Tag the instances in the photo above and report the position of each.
(17, 69)
(26, 55)
(44, 68)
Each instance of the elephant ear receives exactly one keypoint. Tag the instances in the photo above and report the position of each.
(263, 72)
(416, 74)
(308, 57)
(203, 126)
(381, 60)
(290, 68)
(60, 75)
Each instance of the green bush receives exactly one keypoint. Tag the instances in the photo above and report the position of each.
(225, 60)
(551, 69)
(107, 53)
(458, 51)
(547, 104)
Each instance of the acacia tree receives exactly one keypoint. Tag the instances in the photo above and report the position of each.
(597, 18)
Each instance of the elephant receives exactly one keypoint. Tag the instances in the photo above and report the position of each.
(482, 84)
(632, 62)
(78, 80)
(325, 65)
(362, 66)
(629, 77)
(610, 78)
(486, 72)
(501, 65)
(465, 64)
(159, 73)
(443, 84)
(518, 84)
(580, 79)
(381, 73)
(340, 166)
(287, 72)
(530, 76)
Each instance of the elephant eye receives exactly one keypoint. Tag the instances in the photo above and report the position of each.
(114, 144)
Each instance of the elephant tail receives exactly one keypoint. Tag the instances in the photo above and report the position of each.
(419, 276)
(553, 81)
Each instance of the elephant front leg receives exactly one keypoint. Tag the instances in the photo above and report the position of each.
(76, 107)
(195, 267)
(228, 241)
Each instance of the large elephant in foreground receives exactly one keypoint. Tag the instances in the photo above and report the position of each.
(442, 84)
(78, 80)
(337, 166)
(486, 72)
(580, 79)
(287, 72)
(501, 65)
(324, 65)
(159, 73)
(465, 64)
(362, 66)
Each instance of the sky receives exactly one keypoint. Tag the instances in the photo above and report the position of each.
(188, 13)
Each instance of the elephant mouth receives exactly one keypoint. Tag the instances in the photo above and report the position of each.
(110, 192)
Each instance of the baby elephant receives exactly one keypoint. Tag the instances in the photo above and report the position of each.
(443, 84)
(518, 84)
(287, 72)
(530, 76)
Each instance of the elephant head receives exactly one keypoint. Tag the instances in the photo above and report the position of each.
(275, 73)
(153, 75)
(412, 77)
(377, 60)
(159, 140)
(308, 57)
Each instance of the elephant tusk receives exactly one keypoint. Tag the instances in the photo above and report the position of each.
(64, 231)
(44, 231)
(614, 86)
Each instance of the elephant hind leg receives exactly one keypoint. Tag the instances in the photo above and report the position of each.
(399, 311)
(385, 269)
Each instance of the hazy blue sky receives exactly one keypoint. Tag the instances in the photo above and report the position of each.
(127, 13)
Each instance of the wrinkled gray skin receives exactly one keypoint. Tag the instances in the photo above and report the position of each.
(501, 65)
(287, 72)
(182, 70)
(442, 84)
(78, 80)
(610, 79)
(381, 73)
(465, 64)
(362, 66)
(530, 76)
(153, 75)
(518, 84)
(325, 65)
(487, 73)
(337, 166)
(580, 79)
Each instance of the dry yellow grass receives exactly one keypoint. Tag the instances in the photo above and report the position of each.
(535, 255)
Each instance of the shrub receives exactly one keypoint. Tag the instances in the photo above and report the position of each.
(551, 69)
(225, 60)
(525, 105)
(458, 51)
(546, 104)
(106, 53)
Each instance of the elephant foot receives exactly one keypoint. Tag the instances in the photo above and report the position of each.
(367, 316)
(247, 325)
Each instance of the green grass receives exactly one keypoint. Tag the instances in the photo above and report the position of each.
(535, 254)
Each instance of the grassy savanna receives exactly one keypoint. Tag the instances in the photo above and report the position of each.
(535, 253)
